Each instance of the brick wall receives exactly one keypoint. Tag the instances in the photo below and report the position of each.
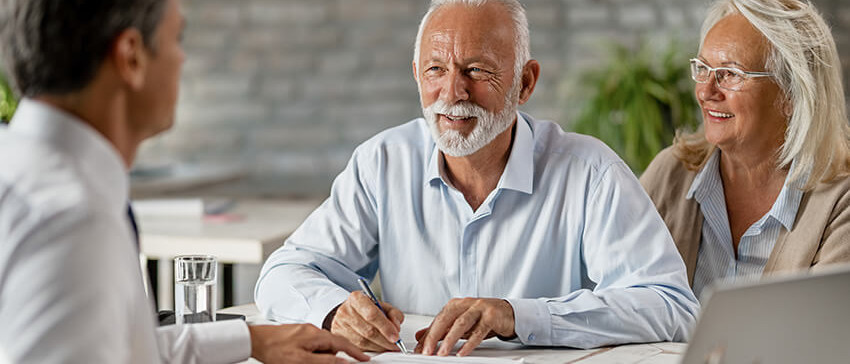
(288, 88)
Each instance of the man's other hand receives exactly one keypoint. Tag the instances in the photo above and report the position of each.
(473, 319)
(360, 321)
(302, 343)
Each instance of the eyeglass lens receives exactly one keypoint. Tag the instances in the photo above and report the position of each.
(726, 78)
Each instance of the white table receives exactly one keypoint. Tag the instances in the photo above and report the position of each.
(655, 353)
(260, 227)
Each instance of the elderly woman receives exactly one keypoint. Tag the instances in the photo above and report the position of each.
(761, 187)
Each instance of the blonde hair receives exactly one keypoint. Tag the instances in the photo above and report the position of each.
(804, 63)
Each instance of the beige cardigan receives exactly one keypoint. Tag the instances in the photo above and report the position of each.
(820, 235)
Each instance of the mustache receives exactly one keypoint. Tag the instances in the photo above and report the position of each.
(461, 108)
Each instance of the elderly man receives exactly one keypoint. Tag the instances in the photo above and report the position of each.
(498, 224)
(70, 285)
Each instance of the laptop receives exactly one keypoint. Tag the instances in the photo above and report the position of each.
(789, 319)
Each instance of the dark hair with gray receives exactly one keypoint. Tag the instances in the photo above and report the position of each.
(56, 46)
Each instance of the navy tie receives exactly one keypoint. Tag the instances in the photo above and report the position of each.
(133, 224)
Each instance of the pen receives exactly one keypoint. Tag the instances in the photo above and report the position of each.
(368, 291)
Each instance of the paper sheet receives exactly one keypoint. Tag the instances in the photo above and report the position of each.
(416, 358)
(623, 354)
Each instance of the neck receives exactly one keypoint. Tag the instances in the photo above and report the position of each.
(750, 170)
(104, 112)
(478, 174)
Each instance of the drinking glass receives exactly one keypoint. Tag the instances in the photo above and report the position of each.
(194, 288)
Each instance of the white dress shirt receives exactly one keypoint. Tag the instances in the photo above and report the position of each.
(717, 259)
(70, 283)
(568, 237)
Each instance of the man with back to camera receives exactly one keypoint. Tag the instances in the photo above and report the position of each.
(548, 235)
(70, 284)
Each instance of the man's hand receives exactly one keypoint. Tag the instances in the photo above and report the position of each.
(473, 319)
(363, 323)
(303, 343)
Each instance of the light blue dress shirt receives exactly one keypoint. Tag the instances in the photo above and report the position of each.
(716, 258)
(568, 237)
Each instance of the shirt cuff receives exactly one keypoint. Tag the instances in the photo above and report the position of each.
(322, 305)
(532, 323)
(226, 341)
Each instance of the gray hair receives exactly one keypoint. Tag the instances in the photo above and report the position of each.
(522, 50)
(804, 63)
(57, 46)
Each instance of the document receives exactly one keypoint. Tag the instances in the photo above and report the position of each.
(416, 358)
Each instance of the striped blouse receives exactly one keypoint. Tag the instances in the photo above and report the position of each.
(716, 259)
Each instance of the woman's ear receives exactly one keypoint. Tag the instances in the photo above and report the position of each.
(787, 108)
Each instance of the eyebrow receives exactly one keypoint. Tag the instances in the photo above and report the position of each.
(479, 60)
(724, 64)
(733, 63)
(466, 62)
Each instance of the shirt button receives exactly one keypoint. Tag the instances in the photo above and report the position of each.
(531, 337)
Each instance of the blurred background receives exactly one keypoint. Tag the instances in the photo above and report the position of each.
(276, 94)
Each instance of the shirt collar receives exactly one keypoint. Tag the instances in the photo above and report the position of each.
(788, 202)
(101, 163)
(784, 209)
(519, 171)
(707, 180)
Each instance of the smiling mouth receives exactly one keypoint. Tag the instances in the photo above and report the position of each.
(456, 118)
(719, 115)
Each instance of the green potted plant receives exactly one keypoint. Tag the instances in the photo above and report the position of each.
(636, 101)
(8, 102)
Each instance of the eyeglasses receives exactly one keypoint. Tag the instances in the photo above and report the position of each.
(725, 77)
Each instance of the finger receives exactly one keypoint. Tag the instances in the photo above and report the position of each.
(343, 325)
(476, 336)
(366, 338)
(395, 315)
(463, 324)
(438, 329)
(357, 329)
(419, 342)
(341, 344)
(314, 358)
(320, 341)
(420, 334)
(325, 342)
(375, 317)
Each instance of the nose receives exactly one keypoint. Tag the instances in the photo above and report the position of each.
(455, 87)
(709, 90)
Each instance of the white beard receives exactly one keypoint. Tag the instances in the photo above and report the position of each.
(488, 126)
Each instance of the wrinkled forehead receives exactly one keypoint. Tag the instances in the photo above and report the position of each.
(464, 29)
(735, 39)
